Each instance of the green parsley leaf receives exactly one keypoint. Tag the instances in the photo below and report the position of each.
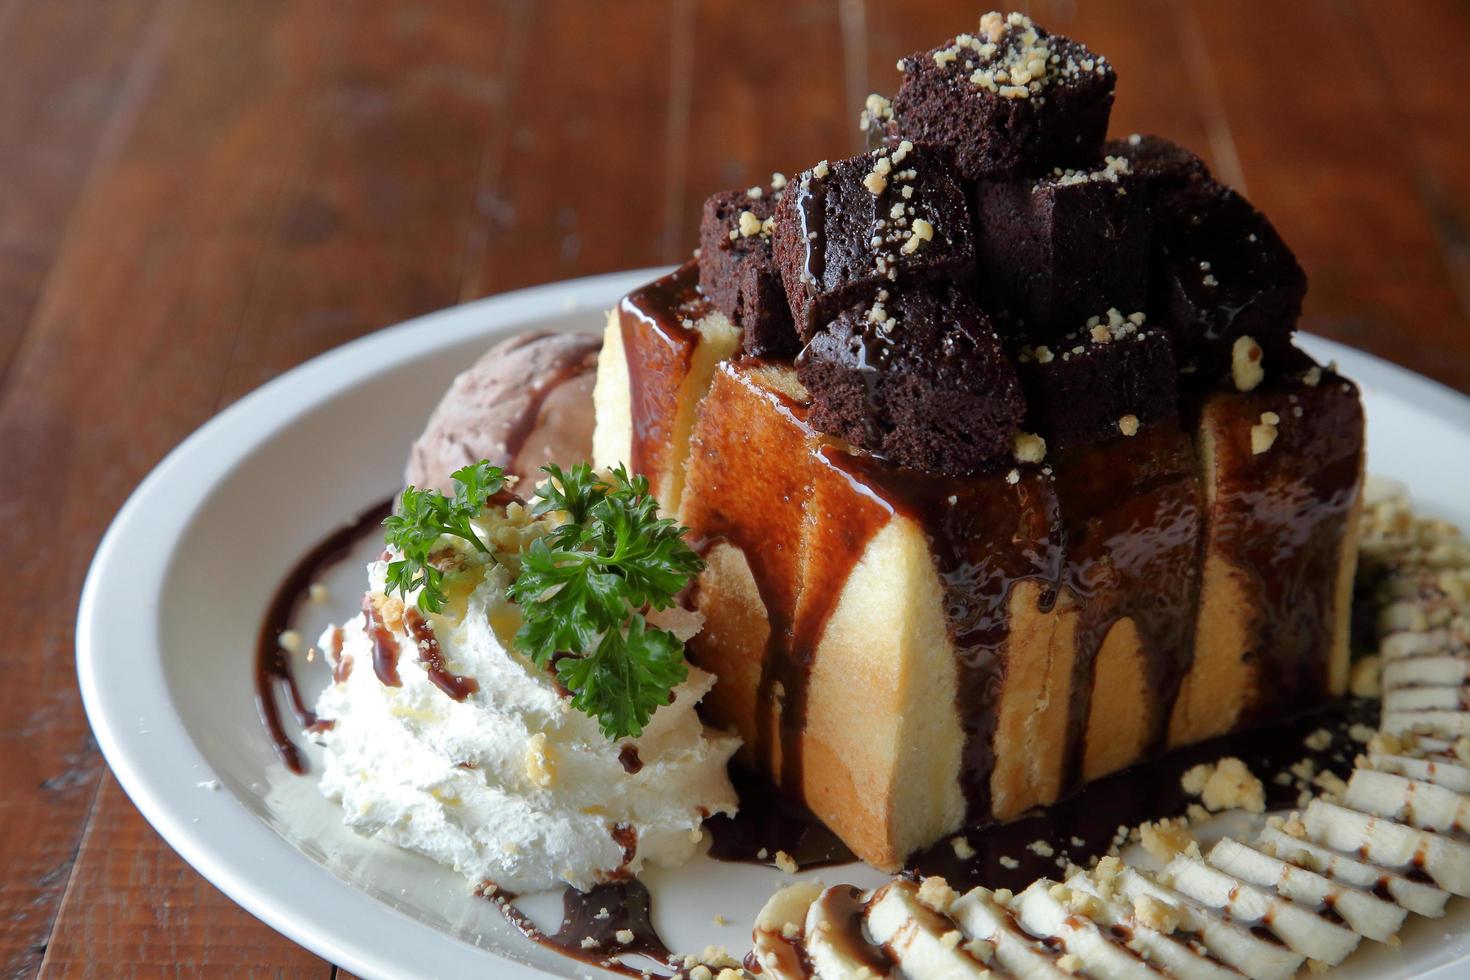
(423, 517)
(583, 590)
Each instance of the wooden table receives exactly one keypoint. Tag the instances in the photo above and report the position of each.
(196, 195)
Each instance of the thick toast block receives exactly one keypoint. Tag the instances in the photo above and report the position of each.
(1282, 473)
(873, 629)
(1131, 510)
(661, 346)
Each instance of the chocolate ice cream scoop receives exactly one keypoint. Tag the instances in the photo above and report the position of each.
(525, 403)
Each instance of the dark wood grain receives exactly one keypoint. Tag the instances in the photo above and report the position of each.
(71, 73)
(196, 195)
(1323, 154)
(586, 176)
(126, 354)
(134, 909)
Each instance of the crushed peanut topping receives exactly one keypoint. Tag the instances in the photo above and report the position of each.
(876, 111)
(1030, 448)
(540, 761)
(1245, 364)
(1264, 433)
(1165, 838)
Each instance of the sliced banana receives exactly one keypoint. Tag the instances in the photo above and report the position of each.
(1424, 805)
(1400, 646)
(1427, 699)
(1305, 930)
(1416, 896)
(980, 917)
(1419, 671)
(1382, 841)
(1450, 775)
(1442, 724)
(1178, 958)
(1051, 910)
(1247, 952)
(1365, 914)
(778, 931)
(921, 941)
(835, 941)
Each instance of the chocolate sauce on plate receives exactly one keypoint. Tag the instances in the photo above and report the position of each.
(596, 917)
(769, 821)
(274, 676)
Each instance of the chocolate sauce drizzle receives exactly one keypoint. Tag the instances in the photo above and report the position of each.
(385, 645)
(986, 536)
(432, 658)
(1284, 527)
(598, 915)
(658, 362)
(1132, 522)
(273, 672)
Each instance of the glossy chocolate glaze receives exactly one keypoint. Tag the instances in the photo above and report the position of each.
(658, 344)
(758, 508)
(1280, 517)
(1131, 513)
(598, 915)
(986, 535)
(273, 673)
(811, 203)
(1148, 791)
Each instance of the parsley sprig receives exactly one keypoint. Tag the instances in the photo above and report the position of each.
(584, 589)
(424, 516)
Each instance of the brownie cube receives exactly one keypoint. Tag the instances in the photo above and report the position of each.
(1220, 272)
(1111, 378)
(919, 377)
(737, 269)
(897, 214)
(1011, 101)
(1053, 251)
(1164, 166)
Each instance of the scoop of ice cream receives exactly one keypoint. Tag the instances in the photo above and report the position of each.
(525, 403)
(476, 758)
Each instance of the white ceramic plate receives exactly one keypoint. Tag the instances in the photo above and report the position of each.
(169, 613)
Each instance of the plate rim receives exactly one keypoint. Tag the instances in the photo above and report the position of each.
(395, 949)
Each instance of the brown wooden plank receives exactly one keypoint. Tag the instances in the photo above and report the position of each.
(137, 910)
(1429, 110)
(126, 354)
(375, 229)
(369, 229)
(592, 172)
(759, 107)
(1323, 158)
(66, 68)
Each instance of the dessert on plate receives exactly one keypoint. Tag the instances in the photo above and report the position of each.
(1005, 469)
(950, 488)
